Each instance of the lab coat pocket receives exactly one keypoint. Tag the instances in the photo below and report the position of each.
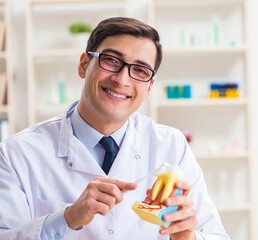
(45, 207)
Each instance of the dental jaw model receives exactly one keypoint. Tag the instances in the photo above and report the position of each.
(152, 208)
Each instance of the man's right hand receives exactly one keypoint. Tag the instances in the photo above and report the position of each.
(99, 197)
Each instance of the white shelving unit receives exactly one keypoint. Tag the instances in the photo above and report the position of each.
(53, 54)
(206, 42)
(6, 71)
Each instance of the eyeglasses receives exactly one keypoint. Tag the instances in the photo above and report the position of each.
(115, 65)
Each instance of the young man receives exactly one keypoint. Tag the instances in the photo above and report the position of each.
(52, 185)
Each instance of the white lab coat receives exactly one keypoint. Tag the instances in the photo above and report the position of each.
(45, 168)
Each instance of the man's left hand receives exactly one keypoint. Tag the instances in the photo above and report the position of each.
(184, 220)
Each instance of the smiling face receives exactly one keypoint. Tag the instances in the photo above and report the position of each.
(108, 99)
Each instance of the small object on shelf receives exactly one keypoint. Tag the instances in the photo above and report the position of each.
(81, 31)
(178, 91)
(152, 209)
(236, 145)
(4, 129)
(232, 43)
(216, 31)
(61, 89)
(224, 90)
(187, 92)
(171, 91)
(188, 135)
(230, 147)
(212, 147)
(80, 27)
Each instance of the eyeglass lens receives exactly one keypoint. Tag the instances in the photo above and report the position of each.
(114, 64)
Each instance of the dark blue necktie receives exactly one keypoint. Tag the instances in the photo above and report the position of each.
(109, 145)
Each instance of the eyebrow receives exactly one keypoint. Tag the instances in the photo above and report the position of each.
(120, 54)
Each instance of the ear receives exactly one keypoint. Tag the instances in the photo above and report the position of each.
(149, 88)
(82, 65)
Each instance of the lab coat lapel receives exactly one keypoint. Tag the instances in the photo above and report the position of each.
(82, 160)
(78, 156)
(126, 160)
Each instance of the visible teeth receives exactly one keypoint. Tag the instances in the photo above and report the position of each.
(115, 94)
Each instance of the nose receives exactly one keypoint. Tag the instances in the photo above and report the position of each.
(122, 77)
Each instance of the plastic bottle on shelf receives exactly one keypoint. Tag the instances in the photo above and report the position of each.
(216, 31)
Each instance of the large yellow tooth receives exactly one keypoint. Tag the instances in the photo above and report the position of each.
(169, 180)
(157, 187)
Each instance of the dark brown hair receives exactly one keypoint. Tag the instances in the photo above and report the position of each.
(123, 25)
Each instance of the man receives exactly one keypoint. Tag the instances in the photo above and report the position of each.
(52, 185)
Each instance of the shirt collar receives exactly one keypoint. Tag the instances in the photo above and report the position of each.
(88, 135)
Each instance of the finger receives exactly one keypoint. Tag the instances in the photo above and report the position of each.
(123, 186)
(110, 189)
(188, 224)
(148, 197)
(100, 207)
(107, 199)
(99, 187)
(179, 200)
(180, 215)
(148, 192)
(186, 187)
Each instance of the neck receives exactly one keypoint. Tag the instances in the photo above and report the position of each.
(101, 124)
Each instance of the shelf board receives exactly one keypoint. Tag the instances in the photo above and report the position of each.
(65, 52)
(196, 3)
(221, 156)
(201, 102)
(233, 207)
(73, 1)
(205, 51)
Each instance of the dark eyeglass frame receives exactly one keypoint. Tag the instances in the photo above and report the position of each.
(98, 55)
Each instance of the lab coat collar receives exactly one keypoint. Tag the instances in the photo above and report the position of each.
(65, 131)
(69, 146)
(78, 156)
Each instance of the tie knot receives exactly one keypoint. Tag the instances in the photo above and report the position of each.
(108, 144)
